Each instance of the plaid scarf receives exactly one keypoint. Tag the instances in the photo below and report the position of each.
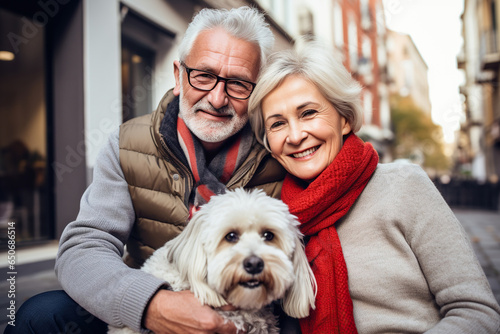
(318, 207)
(211, 177)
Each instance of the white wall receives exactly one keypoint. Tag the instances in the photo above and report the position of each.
(102, 78)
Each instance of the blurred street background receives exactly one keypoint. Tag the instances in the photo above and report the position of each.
(73, 70)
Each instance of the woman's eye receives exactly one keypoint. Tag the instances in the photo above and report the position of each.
(268, 236)
(276, 125)
(309, 112)
(231, 237)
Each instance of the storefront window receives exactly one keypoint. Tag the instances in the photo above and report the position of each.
(23, 129)
(137, 68)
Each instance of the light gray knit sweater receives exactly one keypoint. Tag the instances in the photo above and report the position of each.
(410, 264)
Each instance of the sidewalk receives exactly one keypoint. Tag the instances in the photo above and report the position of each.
(34, 273)
(35, 266)
(483, 228)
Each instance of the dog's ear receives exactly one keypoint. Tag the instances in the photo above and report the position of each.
(188, 254)
(302, 294)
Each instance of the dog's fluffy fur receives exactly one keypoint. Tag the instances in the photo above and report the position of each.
(244, 249)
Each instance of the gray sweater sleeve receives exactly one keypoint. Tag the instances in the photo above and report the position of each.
(450, 266)
(89, 263)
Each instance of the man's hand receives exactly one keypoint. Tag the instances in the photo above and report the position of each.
(172, 312)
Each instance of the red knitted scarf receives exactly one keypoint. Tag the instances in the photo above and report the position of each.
(318, 206)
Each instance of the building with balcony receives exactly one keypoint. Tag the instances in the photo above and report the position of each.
(407, 70)
(478, 143)
(365, 55)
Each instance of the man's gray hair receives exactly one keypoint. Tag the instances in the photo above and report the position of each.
(317, 63)
(244, 23)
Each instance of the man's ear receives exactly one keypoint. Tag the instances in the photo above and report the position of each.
(177, 73)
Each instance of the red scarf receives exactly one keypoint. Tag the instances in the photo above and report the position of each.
(211, 177)
(318, 206)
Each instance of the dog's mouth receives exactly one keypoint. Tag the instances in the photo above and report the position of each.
(251, 284)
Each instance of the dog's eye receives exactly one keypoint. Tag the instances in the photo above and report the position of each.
(232, 237)
(268, 236)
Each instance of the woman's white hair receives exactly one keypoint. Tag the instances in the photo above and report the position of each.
(317, 63)
(244, 23)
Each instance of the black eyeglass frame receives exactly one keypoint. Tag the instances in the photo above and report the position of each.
(219, 79)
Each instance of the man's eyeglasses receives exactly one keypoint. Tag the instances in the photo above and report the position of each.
(206, 81)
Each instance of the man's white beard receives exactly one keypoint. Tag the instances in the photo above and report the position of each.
(207, 130)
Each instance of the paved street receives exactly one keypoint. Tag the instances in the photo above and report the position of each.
(34, 274)
(483, 228)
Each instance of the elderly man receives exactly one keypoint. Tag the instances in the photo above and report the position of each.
(152, 174)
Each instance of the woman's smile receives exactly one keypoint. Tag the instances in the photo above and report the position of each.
(305, 154)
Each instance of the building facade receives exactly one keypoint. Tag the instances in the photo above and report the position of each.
(478, 141)
(407, 70)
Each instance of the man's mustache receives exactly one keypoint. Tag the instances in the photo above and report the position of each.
(207, 106)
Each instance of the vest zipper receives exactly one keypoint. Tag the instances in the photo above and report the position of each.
(241, 172)
(180, 167)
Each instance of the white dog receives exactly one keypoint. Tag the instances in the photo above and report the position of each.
(244, 249)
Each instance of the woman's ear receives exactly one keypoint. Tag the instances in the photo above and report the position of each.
(346, 128)
(177, 74)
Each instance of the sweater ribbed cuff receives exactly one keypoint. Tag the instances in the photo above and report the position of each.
(135, 300)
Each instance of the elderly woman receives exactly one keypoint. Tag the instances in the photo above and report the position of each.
(388, 254)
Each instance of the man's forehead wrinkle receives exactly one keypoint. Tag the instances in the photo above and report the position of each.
(218, 51)
(233, 65)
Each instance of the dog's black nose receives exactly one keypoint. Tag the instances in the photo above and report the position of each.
(253, 265)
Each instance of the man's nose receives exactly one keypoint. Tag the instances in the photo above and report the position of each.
(217, 96)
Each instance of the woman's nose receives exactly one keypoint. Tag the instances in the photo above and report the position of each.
(217, 96)
(296, 134)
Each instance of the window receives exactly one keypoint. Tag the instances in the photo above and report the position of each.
(368, 106)
(353, 44)
(137, 67)
(366, 21)
(24, 188)
(306, 23)
(145, 46)
(338, 29)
